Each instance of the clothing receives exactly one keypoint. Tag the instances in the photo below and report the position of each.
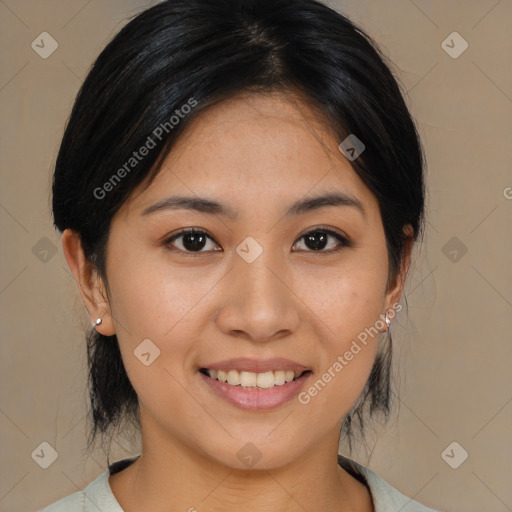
(98, 495)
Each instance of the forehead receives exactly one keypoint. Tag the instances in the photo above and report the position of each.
(251, 148)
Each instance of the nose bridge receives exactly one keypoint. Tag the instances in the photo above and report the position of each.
(258, 302)
(260, 278)
(260, 286)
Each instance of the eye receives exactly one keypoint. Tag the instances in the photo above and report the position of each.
(192, 240)
(318, 239)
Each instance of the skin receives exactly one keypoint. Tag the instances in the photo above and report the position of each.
(257, 154)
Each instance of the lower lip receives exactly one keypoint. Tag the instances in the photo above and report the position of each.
(256, 399)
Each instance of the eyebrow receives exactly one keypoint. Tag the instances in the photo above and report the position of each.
(213, 207)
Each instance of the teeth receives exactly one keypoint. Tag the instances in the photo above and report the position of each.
(247, 379)
(279, 378)
(263, 380)
(233, 378)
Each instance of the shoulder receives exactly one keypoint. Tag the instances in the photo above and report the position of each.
(96, 496)
(73, 503)
(385, 497)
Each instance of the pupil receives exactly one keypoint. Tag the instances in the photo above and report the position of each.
(194, 241)
(317, 240)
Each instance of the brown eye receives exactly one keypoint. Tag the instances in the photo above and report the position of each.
(317, 240)
(191, 240)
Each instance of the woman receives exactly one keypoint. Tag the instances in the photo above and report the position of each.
(239, 188)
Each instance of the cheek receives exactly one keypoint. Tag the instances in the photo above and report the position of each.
(151, 297)
(158, 309)
(347, 306)
(347, 299)
(347, 349)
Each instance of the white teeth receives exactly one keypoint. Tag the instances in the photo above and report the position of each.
(247, 379)
(279, 378)
(233, 378)
(264, 380)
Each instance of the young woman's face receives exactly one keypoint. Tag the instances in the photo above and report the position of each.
(249, 294)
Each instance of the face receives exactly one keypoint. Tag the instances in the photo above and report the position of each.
(269, 285)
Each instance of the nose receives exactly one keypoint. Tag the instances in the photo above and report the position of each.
(258, 302)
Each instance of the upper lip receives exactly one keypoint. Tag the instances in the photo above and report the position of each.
(245, 364)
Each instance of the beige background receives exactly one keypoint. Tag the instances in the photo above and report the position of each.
(453, 345)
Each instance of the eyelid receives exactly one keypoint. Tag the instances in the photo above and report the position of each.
(167, 242)
(343, 240)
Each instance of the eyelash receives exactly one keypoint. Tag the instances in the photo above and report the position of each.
(344, 242)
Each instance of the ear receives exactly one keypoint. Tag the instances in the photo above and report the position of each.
(394, 292)
(92, 288)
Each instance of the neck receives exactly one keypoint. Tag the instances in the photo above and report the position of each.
(172, 476)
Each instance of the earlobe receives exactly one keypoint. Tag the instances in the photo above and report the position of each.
(395, 292)
(90, 284)
(409, 233)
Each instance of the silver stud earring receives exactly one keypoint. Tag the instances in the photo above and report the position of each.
(388, 322)
(98, 321)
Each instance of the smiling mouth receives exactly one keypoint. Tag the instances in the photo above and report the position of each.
(252, 380)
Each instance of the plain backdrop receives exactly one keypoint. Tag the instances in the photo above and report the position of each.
(452, 343)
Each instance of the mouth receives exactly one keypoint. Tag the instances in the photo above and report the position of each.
(255, 385)
(253, 380)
